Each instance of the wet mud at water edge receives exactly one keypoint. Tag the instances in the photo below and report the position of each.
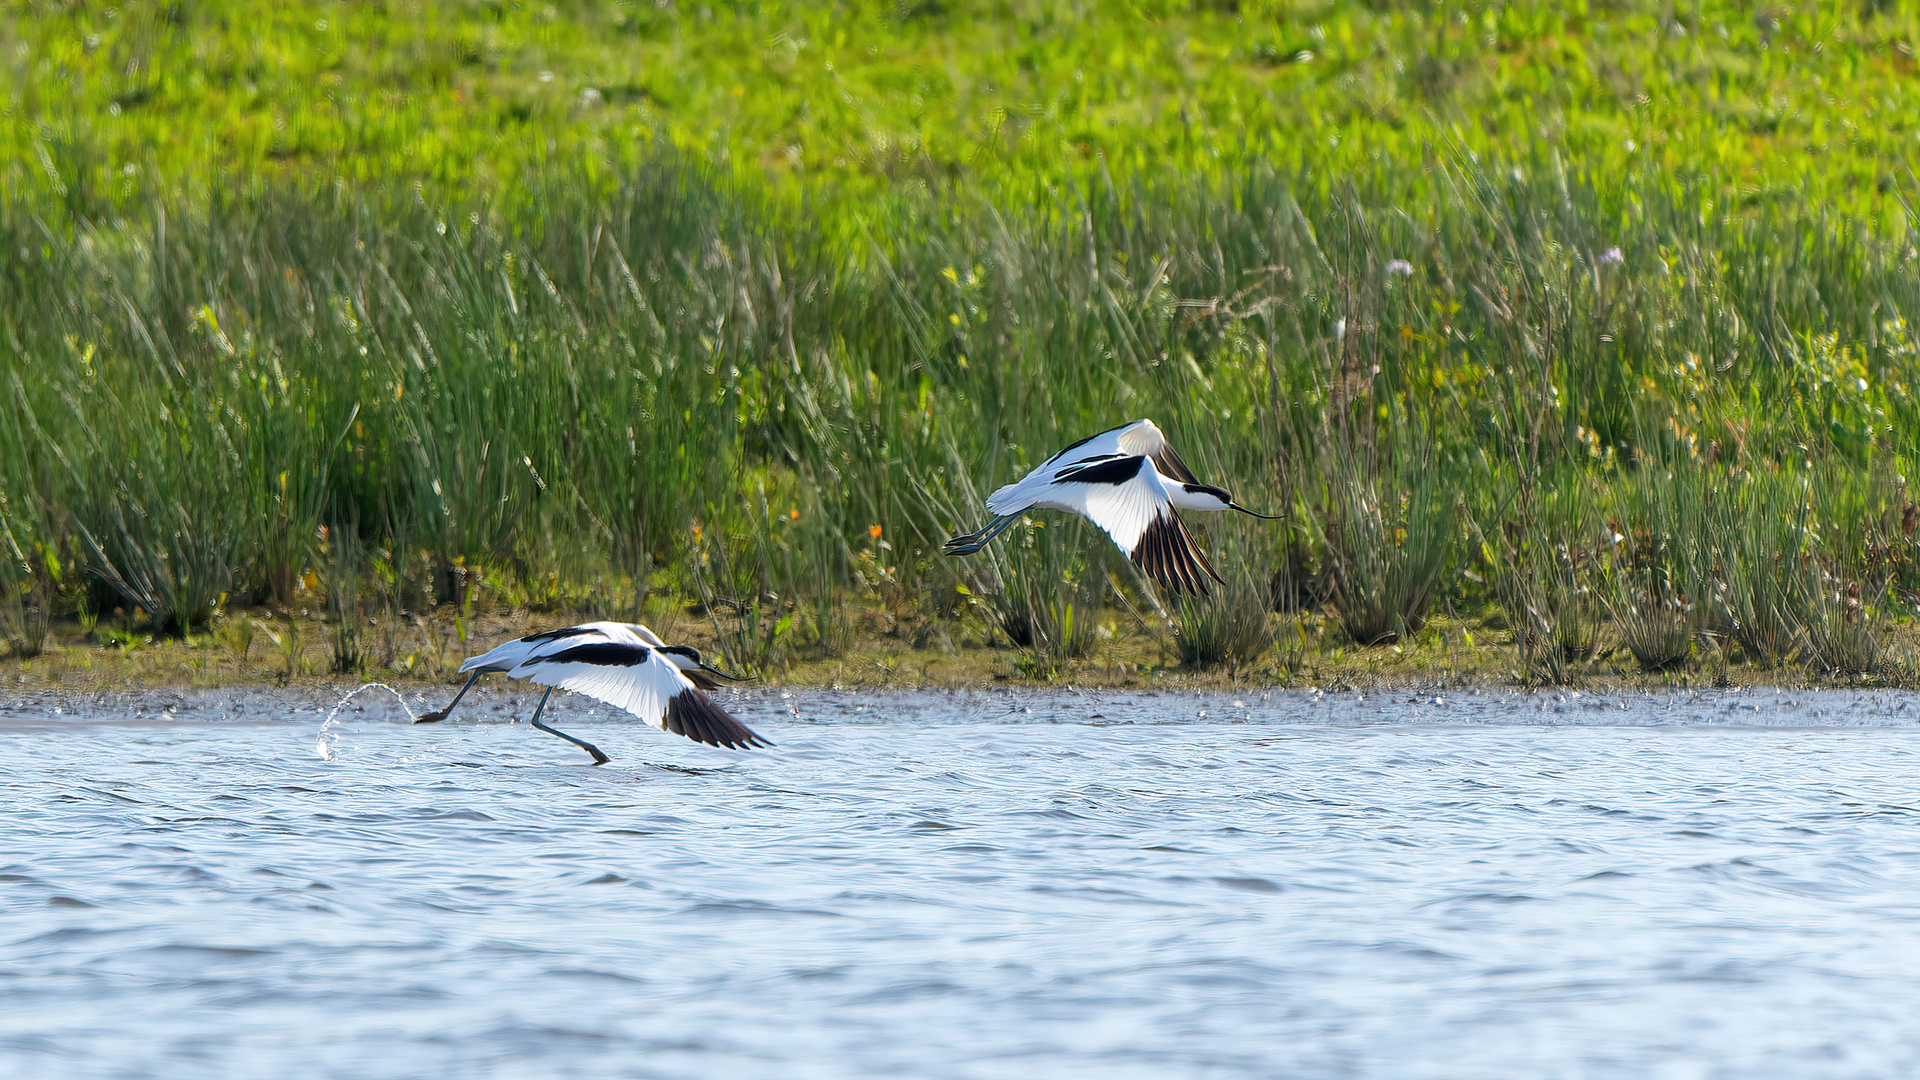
(967, 885)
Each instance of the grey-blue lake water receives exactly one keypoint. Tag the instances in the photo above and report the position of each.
(984, 885)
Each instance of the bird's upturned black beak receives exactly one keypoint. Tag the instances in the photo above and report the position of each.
(1253, 513)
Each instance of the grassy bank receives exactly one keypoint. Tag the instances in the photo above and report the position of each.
(1591, 409)
(845, 103)
(1618, 411)
(421, 654)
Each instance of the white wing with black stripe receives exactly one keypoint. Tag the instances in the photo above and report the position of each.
(641, 680)
(1127, 497)
(509, 654)
(1144, 437)
(1121, 495)
(1117, 479)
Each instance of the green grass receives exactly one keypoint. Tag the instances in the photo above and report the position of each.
(352, 303)
(853, 100)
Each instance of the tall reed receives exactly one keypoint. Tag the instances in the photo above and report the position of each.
(1546, 551)
(548, 391)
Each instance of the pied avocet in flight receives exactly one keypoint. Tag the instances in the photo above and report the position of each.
(623, 664)
(1130, 482)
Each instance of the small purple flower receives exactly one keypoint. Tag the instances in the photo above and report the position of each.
(1401, 267)
(1611, 256)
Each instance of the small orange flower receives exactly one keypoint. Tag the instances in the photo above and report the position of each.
(795, 516)
(873, 531)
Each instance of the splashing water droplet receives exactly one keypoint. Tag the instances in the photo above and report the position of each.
(325, 744)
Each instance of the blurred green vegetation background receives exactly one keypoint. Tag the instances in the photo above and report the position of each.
(1594, 322)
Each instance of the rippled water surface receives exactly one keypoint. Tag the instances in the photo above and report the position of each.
(975, 885)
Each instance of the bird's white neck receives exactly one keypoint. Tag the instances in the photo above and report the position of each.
(1198, 497)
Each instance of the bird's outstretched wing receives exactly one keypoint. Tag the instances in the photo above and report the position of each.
(510, 654)
(1099, 444)
(1167, 553)
(643, 682)
(1115, 442)
(1144, 437)
(1126, 498)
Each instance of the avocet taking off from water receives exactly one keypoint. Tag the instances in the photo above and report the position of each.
(623, 664)
(1130, 482)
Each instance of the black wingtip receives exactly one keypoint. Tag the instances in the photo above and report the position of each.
(1167, 553)
(1169, 463)
(700, 718)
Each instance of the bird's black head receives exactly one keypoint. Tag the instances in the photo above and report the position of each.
(684, 652)
(687, 658)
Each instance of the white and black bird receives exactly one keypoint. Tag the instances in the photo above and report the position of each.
(1130, 482)
(625, 665)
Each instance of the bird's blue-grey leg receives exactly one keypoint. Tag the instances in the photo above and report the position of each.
(974, 541)
(436, 717)
(955, 543)
(598, 757)
(996, 527)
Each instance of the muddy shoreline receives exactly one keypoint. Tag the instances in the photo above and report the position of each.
(422, 655)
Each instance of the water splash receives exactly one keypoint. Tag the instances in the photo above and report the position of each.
(325, 744)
